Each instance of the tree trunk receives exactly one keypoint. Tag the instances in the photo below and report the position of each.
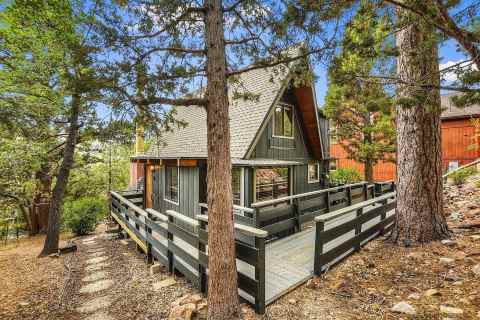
(419, 210)
(53, 230)
(223, 300)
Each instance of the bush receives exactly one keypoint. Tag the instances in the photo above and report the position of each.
(345, 176)
(81, 216)
(460, 176)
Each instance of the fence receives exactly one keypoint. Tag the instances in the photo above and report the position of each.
(341, 232)
(163, 237)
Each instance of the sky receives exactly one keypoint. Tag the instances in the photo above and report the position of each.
(447, 53)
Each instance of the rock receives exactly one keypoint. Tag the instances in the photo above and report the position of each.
(476, 269)
(475, 237)
(170, 281)
(124, 242)
(447, 261)
(97, 286)
(182, 312)
(451, 276)
(155, 268)
(94, 305)
(458, 283)
(469, 260)
(23, 304)
(312, 284)
(414, 296)
(431, 293)
(450, 311)
(292, 301)
(95, 276)
(448, 242)
(404, 307)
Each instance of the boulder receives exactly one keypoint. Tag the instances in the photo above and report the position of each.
(431, 293)
(404, 307)
(476, 269)
(450, 311)
(155, 268)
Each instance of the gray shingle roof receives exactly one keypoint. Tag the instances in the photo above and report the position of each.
(450, 111)
(246, 117)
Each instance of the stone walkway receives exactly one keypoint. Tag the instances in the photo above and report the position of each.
(96, 283)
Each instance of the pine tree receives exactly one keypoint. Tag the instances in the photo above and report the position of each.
(361, 110)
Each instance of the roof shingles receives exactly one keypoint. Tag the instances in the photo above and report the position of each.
(246, 117)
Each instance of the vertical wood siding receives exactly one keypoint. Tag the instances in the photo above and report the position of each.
(458, 141)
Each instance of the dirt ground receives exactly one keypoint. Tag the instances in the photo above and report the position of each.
(365, 286)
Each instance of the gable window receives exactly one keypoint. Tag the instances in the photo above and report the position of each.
(271, 183)
(283, 121)
(313, 172)
(171, 183)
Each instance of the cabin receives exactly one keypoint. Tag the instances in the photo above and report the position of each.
(460, 142)
(279, 147)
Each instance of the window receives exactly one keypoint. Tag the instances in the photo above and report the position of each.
(332, 132)
(171, 184)
(283, 121)
(333, 165)
(271, 183)
(313, 172)
(237, 186)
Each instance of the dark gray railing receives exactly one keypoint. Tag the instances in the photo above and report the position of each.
(329, 247)
(168, 238)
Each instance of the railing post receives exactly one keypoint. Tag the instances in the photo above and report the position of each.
(317, 263)
(297, 214)
(365, 191)
(358, 228)
(383, 215)
(260, 275)
(256, 222)
(148, 234)
(327, 200)
(349, 195)
(170, 239)
(202, 271)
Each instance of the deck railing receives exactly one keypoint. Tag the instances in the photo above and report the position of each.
(362, 222)
(168, 239)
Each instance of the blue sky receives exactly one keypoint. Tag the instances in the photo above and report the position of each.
(447, 52)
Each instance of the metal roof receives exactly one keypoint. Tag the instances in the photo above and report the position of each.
(450, 111)
(246, 117)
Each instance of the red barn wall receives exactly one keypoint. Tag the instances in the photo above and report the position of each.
(458, 144)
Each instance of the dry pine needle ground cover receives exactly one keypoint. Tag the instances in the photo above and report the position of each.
(365, 286)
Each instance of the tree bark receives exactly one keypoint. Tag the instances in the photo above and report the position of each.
(54, 212)
(419, 210)
(369, 170)
(223, 300)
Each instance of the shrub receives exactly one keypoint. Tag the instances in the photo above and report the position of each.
(460, 176)
(81, 216)
(345, 175)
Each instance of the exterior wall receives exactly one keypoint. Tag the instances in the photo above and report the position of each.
(269, 147)
(188, 192)
(136, 173)
(458, 141)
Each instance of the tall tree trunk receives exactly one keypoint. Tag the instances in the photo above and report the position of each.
(419, 210)
(53, 230)
(223, 300)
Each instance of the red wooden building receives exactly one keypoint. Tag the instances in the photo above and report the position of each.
(460, 144)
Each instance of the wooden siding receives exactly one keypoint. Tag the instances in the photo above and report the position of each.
(188, 192)
(458, 137)
(300, 177)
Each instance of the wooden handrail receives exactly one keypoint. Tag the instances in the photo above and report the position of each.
(302, 195)
(461, 167)
(157, 214)
(135, 208)
(337, 213)
(192, 222)
(249, 210)
(247, 230)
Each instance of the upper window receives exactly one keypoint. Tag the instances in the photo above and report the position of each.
(271, 183)
(313, 172)
(171, 183)
(283, 121)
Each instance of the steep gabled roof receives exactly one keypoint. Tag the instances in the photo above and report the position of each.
(246, 117)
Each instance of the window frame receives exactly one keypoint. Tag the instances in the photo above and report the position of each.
(242, 186)
(289, 181)
(318, 172)
(178, 186)
(283, 106)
